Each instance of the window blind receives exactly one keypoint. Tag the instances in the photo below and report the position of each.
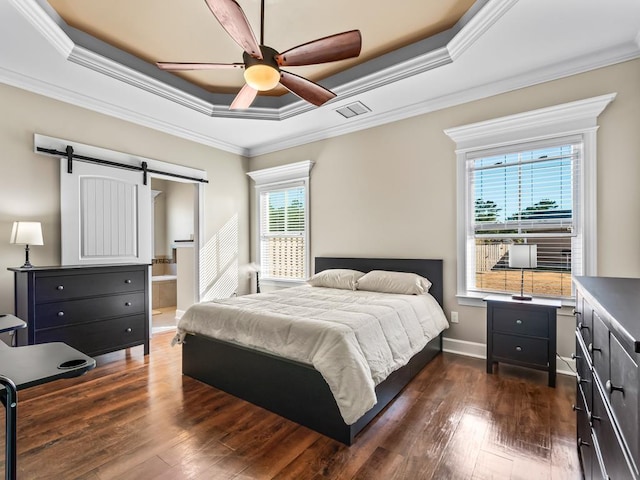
(525, 195)
(282, 232)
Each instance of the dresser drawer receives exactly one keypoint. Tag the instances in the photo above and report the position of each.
(98, 337)
(584, 376)
(526, 350)
(584, 440)
(624, 403)
(58, 314)
(522, 322)
(584, 319)
(63, 287)
(613, 456)
(599, 348)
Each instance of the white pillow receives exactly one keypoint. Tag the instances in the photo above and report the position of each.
(394, 282)
(342, 278)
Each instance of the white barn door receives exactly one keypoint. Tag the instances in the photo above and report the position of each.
(105, 215)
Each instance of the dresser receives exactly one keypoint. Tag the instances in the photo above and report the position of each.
(522, 332)
(607, 357)
(95, 309)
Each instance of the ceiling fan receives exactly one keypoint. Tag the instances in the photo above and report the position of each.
(262, 63)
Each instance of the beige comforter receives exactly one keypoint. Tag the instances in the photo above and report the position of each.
(355, 339)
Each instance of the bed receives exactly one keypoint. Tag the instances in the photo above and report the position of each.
(296, 390)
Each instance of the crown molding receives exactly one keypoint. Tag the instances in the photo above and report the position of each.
(55, 92)
(601, 59)
(106, 66)
(468, 31)
(473, 27)
(44, 24)
(557, 119)
(457, 39)
(282, 173)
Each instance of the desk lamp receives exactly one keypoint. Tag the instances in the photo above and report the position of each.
(27, 233)
(522, 256)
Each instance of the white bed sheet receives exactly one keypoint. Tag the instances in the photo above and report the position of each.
(355, 339)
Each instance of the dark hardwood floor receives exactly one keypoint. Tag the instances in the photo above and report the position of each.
(139, 418)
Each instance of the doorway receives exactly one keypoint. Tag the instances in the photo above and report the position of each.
(174, 222)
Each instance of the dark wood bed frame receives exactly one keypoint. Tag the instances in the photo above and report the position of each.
(295, 390)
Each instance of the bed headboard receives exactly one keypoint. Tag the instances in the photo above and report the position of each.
(431, 269)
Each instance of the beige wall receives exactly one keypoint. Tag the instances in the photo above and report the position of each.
(391, 190)
(30, 182)
(173, 214)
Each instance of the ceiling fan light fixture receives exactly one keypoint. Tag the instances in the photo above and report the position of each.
(262, 77)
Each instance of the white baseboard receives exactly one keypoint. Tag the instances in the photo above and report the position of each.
(565, 366)
(463, 347)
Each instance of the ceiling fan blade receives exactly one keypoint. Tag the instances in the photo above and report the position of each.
(234, 21)
(328, 49)
(305, 89)
(245, 98)
(196, 66)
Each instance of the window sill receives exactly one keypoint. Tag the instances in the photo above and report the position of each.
(476, 299)
(280, 282)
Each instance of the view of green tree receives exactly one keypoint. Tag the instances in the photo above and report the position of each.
(486, 211)
(288, 218)
(537, 210)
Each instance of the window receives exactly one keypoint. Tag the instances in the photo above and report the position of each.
(282, 205)
(525, 196)
(528, 178)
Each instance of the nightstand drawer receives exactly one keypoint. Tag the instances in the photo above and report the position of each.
(522, 322)
(534, 351)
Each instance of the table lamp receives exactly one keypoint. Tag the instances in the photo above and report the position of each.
(522, 256)
(27, 233)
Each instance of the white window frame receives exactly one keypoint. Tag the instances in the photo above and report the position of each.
(278, 178)
(574, 118)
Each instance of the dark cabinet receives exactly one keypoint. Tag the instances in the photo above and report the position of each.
(95, 309)
(522, 333)
(607, 356)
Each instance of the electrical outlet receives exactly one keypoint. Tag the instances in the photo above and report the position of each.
(454, 317)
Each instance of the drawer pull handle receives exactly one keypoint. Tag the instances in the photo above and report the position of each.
(579, 379)
(127, 281)
(593, 418)
(575, 312)
(582, 326)
(593, 349)
(518, 348)
(575, 408)
(61, 314)
(60, 287)
(610, 387)
(128, 330)
(582, 443)
(127, 304)
(519, 322)
(575, 357)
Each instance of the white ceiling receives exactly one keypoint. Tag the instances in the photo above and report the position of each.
(505, 45)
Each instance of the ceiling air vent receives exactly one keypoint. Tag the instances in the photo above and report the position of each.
(353, 110)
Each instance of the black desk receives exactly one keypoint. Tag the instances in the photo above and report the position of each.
(23, 367)
(10, 323)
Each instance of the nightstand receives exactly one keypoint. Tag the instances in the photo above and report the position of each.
(522, 333)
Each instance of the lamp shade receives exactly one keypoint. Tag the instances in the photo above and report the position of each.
(27, 233)
(523, 256)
